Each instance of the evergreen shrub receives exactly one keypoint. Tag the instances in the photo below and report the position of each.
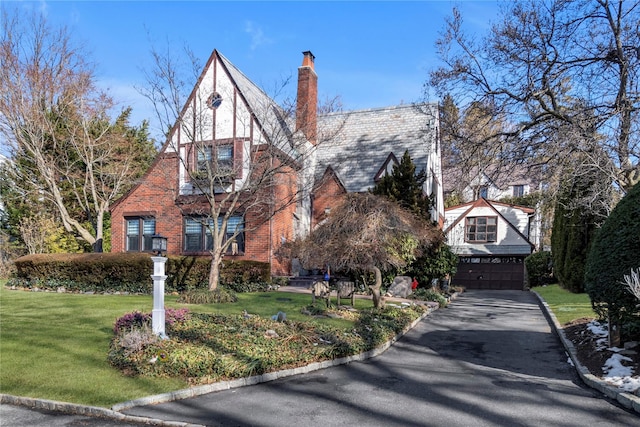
(539, 268)
(130, 272)
(614, 252)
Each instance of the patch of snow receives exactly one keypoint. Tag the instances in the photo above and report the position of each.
(615, 372)
(598, 329)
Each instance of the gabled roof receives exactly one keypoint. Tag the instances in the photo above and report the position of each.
(366, 138)
(482, 202)
(329, 173)
(266, 111)
(270, 117)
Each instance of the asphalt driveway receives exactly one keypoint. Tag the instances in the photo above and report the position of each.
(490, 359)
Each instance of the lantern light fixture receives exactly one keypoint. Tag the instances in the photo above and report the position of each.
(158, 244)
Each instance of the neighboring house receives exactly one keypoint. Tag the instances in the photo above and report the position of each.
(491, 239)
(494, 184)
(490, 183)
(344, 152)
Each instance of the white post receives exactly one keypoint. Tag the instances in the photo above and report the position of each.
(157, 315)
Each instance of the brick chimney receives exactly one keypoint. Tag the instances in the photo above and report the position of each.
(307, 104)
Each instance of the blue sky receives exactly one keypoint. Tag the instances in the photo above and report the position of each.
(370, 53)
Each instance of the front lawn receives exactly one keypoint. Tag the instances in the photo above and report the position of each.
(54, 346)
(566, 306)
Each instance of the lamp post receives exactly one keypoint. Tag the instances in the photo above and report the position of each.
(158, 245)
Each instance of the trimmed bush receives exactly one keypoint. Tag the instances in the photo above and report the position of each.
(130, 272)
(539, 268)
(94, 272)
(205, 296)
(614, 252)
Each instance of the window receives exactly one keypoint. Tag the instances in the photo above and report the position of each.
(518, 190)
(198, 237)
(139, 233)
(223, 158)
(214, 100)
(483, 192)
(481, 229)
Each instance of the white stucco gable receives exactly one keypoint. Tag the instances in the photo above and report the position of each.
(509, 237)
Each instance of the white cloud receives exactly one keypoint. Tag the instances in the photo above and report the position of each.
(257, 35)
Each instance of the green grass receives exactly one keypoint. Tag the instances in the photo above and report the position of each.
(566, 306)
(54, 346)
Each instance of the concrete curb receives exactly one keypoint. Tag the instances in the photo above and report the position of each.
(628, 400)
(89, 411)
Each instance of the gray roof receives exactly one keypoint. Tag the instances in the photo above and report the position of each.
(365, 138)
(275, 122)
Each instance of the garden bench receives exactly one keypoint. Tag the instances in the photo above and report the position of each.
(321, 289)
(346, 290)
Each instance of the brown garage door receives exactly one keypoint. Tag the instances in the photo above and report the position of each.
(490, 273)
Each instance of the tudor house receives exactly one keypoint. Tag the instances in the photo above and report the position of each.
(233, 133)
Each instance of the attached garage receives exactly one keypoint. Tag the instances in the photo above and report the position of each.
(499, 273)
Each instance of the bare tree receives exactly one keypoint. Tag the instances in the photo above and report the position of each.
(273, 176)
(368, 233)
(562, 74)
(53, 116)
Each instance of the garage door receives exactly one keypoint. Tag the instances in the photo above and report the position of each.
(490, 273)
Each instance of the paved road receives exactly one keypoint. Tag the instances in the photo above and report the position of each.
(488, 360)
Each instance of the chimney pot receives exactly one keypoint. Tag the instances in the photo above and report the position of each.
(308, 59)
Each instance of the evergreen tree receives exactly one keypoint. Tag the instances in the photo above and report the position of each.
(613, 254)
(404, 186)
(573, 230)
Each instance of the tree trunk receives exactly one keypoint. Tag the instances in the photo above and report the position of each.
(214, 271)
(378, 302)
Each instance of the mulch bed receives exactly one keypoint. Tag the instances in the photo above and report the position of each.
(586, 346)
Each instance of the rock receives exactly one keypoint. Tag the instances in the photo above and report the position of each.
(270, 333)
(401, 287)
(279, 317)
(61, 290)
(630, 344)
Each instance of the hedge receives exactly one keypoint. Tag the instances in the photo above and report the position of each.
(131, 272)
(539, 268)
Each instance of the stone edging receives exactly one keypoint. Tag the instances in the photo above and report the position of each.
(628, 400)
